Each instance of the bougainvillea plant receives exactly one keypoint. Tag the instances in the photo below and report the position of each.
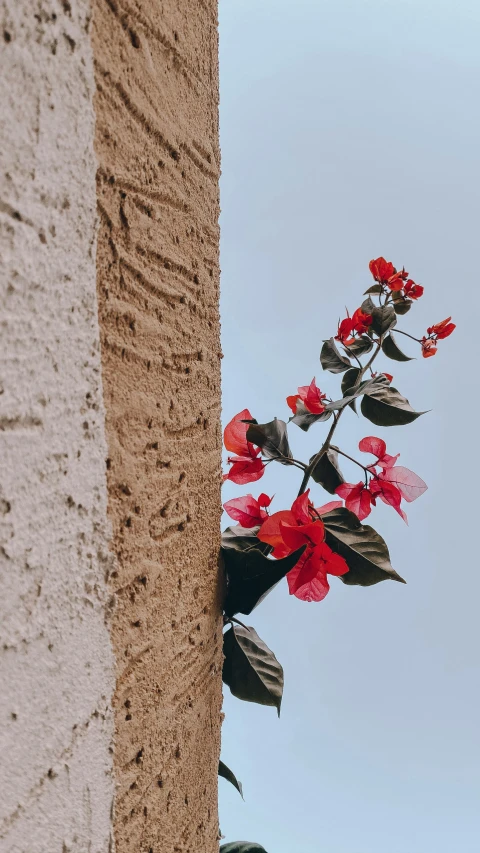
(306, 543)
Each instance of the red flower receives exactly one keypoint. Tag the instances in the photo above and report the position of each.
(247, 510)
(385, 273)
(288, 530)
(412, 290)
(428, 347)
(345, 331)
(246, 464)
(308, 579)
(396, 483)
(357, 498)
(311, 397)
(442, 330)
(361, 321)
(436, 333)
(388, 493)
(381, 270)
(378, 448)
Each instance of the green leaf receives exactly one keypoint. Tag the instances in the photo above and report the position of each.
(272, 438)
(384, 318)
(360, 346)
(327, 471)
(331, 360)
(242, 847)
(304, 419)
(385, 406)
(375, 288)
(392, 350)
(348, 381)
(227, 774)
(402, 308)
(243, 539)
(352, 393)
(363, 549)
(250, 574)
(368, 306)
(250, 668)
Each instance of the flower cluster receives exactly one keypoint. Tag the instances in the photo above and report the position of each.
(389, 279)
(308, 396)
(357, 325)
(287, 531)
(436, 333)
(384, 479)
(247, 466)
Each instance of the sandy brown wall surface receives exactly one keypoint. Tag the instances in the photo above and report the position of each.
(157, 275)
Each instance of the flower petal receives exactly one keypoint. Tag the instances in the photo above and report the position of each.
(410, 485)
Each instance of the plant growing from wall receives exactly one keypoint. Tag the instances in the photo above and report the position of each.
(307, 543)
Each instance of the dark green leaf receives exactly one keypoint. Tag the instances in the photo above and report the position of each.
(363, 549)
(384, 318)
(402, 308)
(352, 393)
(272, 438)
(368, 306)
(304, 419)
(349, 378)
(243, 539)
(392, 350)
(327, 471)
(375, 288)
(331, 360)
(385, 406)
(227, 774)
(348, 381)
(250, 669)
(242, 847)
(360, 346)
(250, 574)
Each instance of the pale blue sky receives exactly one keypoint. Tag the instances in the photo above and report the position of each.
(350, 130)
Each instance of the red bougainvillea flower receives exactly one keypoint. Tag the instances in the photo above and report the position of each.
(428, 347)
(311, 397)
(441, 330)
(412, 290)
(409, 484)
(288, 530)
(361, 321)
(308, 579)
(385, 273)
(388, 493)
(435, 333)
(381, 270)
(345, 331)
(248, 510)
(321, 510)
(246, 464)
(378, 448)
(395, 483)
(357, 498)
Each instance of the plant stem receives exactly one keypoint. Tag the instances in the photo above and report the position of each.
(399, 332)
(351, 459)
(326, 444)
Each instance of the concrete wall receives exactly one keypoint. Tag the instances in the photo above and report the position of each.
(110, 464)
(56, 663)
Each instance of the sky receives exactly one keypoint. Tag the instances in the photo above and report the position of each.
(351, 130)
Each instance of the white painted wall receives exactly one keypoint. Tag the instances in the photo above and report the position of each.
(56, 666)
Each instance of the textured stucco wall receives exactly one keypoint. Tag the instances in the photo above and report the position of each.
(156, 67)
(56, 665)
